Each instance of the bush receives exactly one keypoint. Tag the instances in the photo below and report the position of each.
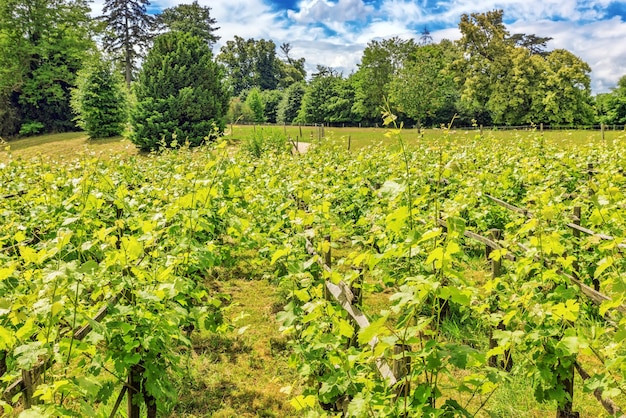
(180, 97)
(100, 100)
(31, 128)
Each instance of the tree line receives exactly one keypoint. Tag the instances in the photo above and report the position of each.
(61, 70)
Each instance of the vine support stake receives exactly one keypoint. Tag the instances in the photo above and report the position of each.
(327, 263)
(134, 387)
(402, 368)
(29, 388)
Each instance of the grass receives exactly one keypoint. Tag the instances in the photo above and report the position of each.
(363, 137)
(241, 374)
(57, 147)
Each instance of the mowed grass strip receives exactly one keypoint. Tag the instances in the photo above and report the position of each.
(68, 145)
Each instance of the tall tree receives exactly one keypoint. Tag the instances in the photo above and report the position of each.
(328, 98)
(253, 63)
(191, 18)
(290, 103)
(612, 106)
(128, 31)
(381, 61)
(515, 79)
(423, 86)
(42, 46)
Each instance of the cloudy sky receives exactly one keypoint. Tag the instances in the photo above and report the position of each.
(335, 32)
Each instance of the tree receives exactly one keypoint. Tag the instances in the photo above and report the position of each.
(291, 69)
(250, 63)
(42, 46)
(255, 103)
(612, 106)
(290, 104)
(271, 101)
(179, 94)
(567, 93)
(515, 79)
(99, 100)
(191, 18)
(328, 98)
(422, 85)
(254, 63)
(128, 34)
(381, 61)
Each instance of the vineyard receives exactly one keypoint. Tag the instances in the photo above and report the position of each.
(417, 278)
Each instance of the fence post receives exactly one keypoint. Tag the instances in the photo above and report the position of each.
(602, 130)
(349, 141)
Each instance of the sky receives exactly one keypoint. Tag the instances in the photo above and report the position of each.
(334, 33)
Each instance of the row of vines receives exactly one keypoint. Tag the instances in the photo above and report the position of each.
(137, 238)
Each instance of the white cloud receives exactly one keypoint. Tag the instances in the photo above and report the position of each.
(314, 11)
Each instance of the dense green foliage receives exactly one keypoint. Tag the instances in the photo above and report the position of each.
(191, 18)
(291, 102)
(612, 106)
(255, 102)
(128, 32)
(516, 84)
(328, 98)
(253, 63)
(40, 54)
(99, 100)
(153, 227)
(180, 97)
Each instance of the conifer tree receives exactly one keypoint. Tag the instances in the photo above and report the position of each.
(191, 18)
(180, 96)
(99, 100)
(128, 31)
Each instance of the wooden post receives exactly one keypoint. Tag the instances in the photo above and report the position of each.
(401, 368)
(541, 127)
(567, 410)
(590, 177)
(481, 130)
(29, 388)
(3, 363)
(356, 287)
(602, 130)
(134, 388)
(300, 128)
(349, 141)
(327, 263)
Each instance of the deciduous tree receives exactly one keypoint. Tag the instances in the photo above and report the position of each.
(42, 46)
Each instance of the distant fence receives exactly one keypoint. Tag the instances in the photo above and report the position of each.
(539, 127)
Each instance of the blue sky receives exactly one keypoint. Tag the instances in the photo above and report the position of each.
(335, 32)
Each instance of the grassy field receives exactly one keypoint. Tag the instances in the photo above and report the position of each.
(66, 145)
(361, 137)
(246, 373)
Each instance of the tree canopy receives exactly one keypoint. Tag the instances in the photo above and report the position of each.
(191, 18)
(180, 96)
(43, 44)
(128, 31)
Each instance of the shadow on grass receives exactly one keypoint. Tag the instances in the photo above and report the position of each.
(226, 398)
